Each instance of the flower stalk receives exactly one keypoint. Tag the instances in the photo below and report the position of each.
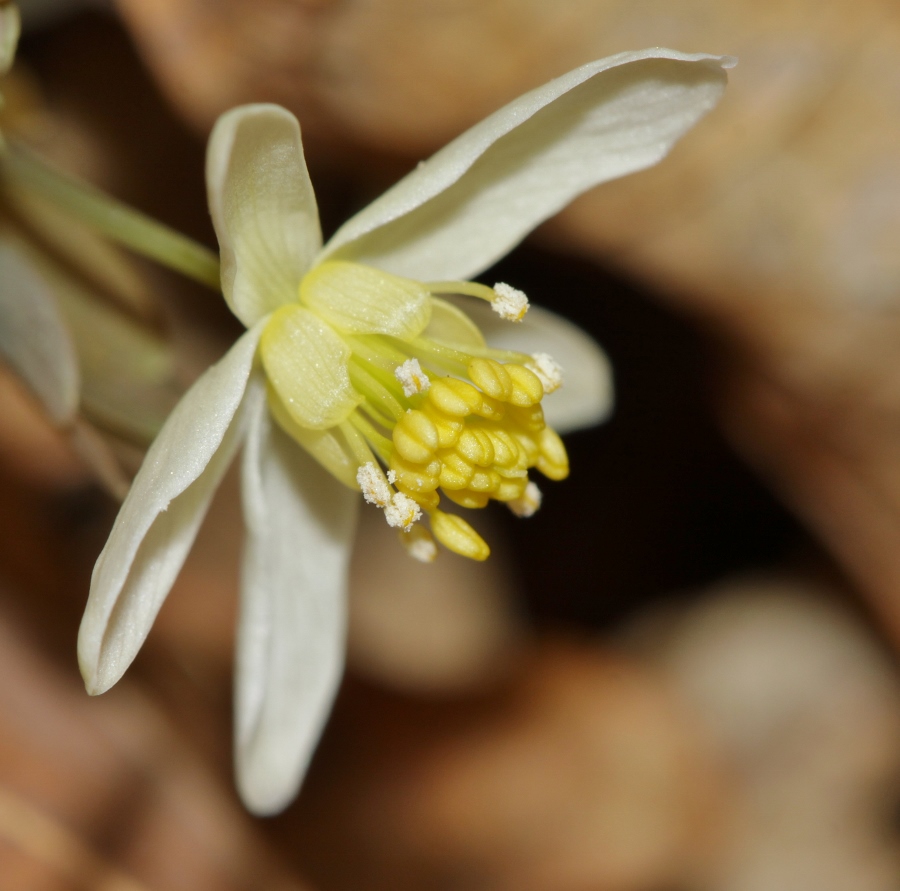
(117, 221)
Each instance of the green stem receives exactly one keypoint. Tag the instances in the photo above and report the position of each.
(114, 219)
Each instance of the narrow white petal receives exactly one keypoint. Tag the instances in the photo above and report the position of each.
(33, 336)
(263, 208)
(586, 395)
(160, 517)
(300, 523)
(474, 200)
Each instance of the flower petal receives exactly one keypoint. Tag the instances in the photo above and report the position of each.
(358, 299)
(306, 364)
(160, 517)
(300, 523)
(450, 325)
(474, 200)
(33, 336)
(586, 396)
(263, 208)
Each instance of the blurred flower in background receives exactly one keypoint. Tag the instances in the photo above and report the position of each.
(77, 324)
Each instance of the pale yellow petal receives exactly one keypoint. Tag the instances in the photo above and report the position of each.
(306, 363)
(263, 208)
(363, 300)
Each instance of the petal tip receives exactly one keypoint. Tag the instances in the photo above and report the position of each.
(262, 791)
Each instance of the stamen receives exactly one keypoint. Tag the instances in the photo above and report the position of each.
(417, 418)
(369, 439)
(373, 485)
(400, 510)
(419, 544)
(528, 503)
(455, 534)
(508, 302)
(511, 303)
(368, 386)
(548, 370)
(412, 378)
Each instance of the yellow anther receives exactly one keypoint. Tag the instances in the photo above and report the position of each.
(527, 388)
(454, 397)
(511, 489)
(469, 499)
(428, 500)
(485, 481)
(507, 454)
(491, 377)
(458, 536)
(456, 472)
(415, 478)
(530, 418)
(490, 409)
(448, 428)
(415, 437)
(529, 447)
(553, 461)
(476, 447)
(419, 544)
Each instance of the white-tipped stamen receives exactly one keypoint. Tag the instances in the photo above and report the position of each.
(373, 485)
(527, 505)
(412, 378)
(510, 303)
(548, 370)
(400, 510)
(419, 544)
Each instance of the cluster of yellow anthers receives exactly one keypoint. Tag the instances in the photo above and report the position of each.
(413, 400)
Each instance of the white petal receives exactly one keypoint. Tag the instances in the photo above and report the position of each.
(474, 200)
(300, 523)
(160, 517)
(263, 208)
(33, 336)
(586, 396)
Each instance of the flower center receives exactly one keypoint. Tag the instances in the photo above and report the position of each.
(395, 391)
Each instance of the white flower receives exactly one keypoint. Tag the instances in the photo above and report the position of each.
(449, 219)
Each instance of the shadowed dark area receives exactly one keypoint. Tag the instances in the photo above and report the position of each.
(656, 500)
